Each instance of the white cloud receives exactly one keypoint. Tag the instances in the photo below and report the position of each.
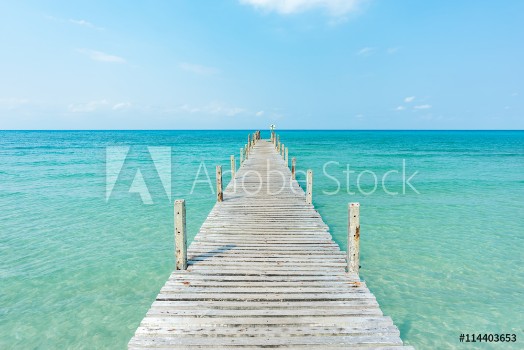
(333, 7)
(84, 23)
(101, 56)
(259, 113)
(87, 107)
(121, 106)
(198, 69)
(423, 107)
(366, 51)
(400, 108)
(409, 99)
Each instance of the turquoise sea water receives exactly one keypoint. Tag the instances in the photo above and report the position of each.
(77, 271)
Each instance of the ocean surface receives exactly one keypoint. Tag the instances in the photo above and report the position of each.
(81, 262)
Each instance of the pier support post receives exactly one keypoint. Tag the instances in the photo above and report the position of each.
(293, 168)
(282, 151)
(309, 187)
(241, 157)
(249, 141)
(353, 237)
(180, 235)
(220, 195)
(246, 152)
(286, 157)
(233, 167)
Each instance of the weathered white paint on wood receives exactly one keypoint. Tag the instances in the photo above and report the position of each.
(309, 187)
(263, 271)
(233, 166)
(180, 235)
(353, 237)
(220, 194)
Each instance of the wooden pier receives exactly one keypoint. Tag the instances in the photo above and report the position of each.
(264, 272)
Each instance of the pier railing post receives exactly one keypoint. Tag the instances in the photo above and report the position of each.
(246, 153)
(282, 151)
(248, 142)
(286, 157)
(220, 195)
(353, 237)
(233, 167)
(241, 157)
(293, 168)
(180, 235)
(309, 187)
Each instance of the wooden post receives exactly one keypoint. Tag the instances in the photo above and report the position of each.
(241, 157)
(353, 237)
(220, 195)
(293, 166)
(180, 235)
(246, 153)
(233, 166)
(309, 187)
(282, 150)
(286, 156)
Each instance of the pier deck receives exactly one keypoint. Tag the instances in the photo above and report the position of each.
(264, 272)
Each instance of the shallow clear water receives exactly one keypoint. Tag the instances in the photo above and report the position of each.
(77, 271)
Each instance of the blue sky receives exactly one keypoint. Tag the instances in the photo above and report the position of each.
(244, 64)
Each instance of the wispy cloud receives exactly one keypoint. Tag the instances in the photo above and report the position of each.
(102, 56)
(214, 108)
(84, 23)
(400, 108)
(366, 51)
(286, 7)
(121, 106)
(393, 50)
(426, 106)
(409, 99)
(198, 69)
(98, 105)
(78, 22)
(259, 113)
(87, 107)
